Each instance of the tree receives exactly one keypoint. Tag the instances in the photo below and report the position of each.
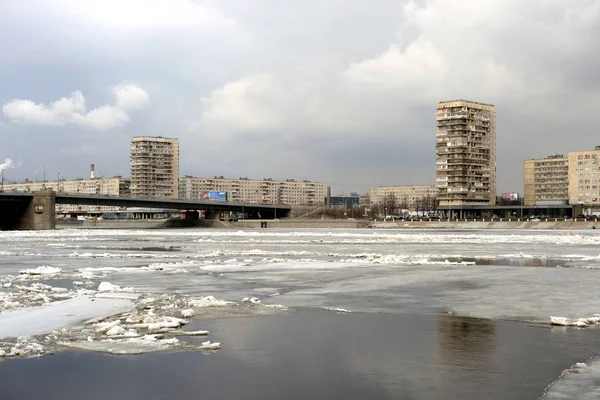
(389, 203)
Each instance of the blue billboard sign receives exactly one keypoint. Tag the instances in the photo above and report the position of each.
(219, 196)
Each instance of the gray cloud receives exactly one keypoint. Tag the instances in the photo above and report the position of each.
(337, 91)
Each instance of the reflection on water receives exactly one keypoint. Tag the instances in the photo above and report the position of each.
(465, 340)
(515, 262)
(316, 354)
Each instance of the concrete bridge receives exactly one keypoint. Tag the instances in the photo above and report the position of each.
(35, 211)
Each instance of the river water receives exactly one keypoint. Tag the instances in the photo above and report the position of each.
(299, 313)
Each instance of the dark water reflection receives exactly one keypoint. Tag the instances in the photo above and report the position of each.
(515, 262)
(316, 354)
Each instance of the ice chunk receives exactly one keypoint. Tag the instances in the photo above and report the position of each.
(189, 333)
(561, 321)
(253, 300)
(210, 346)
(340, 310)
(118, 295)
(187, 313)
(41, 270)
(208, 301)
(104, 327)
(166, 323)
(108, 287)
(139, 345)
(116, 331)
(581, 322)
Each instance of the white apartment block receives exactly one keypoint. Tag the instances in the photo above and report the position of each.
(291, 192)
(154, 167)
(116, 186)
(584, 177)
(404, 196)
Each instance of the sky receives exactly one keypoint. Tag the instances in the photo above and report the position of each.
(340, 92)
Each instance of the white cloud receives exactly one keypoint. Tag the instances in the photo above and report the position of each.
(57, 113)
(130, 97)
(396, 68)
(72, 110)
(251, 104)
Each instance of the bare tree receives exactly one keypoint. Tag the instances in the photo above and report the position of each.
(389, 202)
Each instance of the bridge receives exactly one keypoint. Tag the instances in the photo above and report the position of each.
(35, 211)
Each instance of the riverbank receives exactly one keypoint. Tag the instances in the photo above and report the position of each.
(479, 224)
(302, 223)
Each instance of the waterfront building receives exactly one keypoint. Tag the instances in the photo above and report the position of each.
(411, 196)
(116, 186)
(154, 167)
(584, 177)
(345, 201)
(546, 181)
(466, 153)
(267, 190)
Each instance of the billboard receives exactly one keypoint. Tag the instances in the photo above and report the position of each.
(510, 196)
(219, 196)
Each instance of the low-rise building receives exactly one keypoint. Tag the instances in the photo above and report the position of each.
(411, 196)
(345, 201)
(546, 181)
(584, 177)
(306, 193)
(116, 186)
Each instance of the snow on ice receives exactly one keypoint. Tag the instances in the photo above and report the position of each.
(577, 382)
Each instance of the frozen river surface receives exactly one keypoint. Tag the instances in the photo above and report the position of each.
(130, 292)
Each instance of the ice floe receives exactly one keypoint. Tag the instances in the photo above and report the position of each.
(208, 345)
(579, 322)
(337, 309)
(41, 270)
(578, 382)
(188, 313)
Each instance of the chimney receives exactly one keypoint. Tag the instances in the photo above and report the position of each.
(92, 171)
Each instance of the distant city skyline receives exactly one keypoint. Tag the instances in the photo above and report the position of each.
(343, 94)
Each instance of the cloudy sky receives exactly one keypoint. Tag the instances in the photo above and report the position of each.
(338, 91)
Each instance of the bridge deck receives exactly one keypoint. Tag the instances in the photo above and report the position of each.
(174, 204)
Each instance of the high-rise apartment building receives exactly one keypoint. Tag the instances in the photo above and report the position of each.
(466, 153)
(290, 191)
(546, 181)
(584, 177)
(154, 167)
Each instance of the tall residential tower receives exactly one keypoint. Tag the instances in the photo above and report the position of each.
(466, 153)
(154, 167)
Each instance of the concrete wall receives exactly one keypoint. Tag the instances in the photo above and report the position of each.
(40, 212)
(301, 223)
(529, 182)
(514, 224)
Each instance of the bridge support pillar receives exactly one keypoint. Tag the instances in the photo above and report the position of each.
(192, 215)
(40, 213)
(208, 214)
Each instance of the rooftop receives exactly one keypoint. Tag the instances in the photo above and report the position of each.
(467, 101)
